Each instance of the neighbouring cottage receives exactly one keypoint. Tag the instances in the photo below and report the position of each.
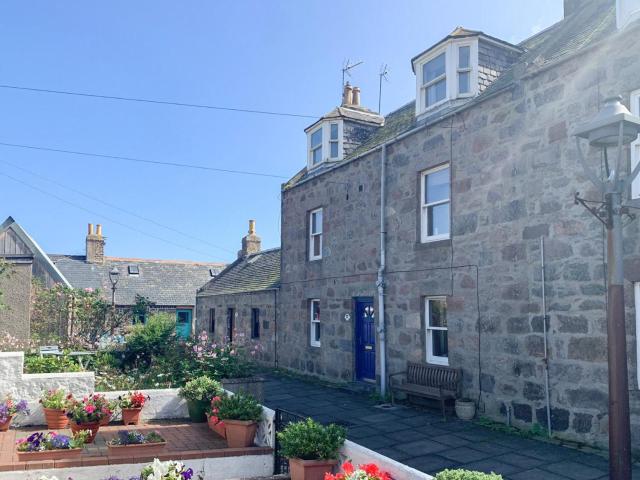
(240, 303)
(170, 285)
(477, 173)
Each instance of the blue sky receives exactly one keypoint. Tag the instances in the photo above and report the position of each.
(281, 56)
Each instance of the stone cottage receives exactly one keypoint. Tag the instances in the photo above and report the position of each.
(240, 304)
(471, 179)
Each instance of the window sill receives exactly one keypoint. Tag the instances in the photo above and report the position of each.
(445, 242)
(440, 363)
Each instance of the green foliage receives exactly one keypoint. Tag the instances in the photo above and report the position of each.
(460, 474)
(309, 440)
(536, 429)
(201, 388)
(240, 406)
(155, 338)
(56, 399)
(33, 363)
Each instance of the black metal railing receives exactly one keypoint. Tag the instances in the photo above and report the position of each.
(282, 419)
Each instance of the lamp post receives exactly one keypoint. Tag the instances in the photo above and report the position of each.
(614, 126)
(114, 275)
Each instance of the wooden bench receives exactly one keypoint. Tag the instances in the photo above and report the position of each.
(425, 380)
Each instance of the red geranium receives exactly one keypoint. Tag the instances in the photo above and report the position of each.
(369, 471)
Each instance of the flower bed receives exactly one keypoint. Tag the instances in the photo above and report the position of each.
(50, 446)
(130, 441)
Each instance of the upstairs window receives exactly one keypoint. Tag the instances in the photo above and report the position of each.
(334, 141)
(434, 78)
(435, 203)
(315, 234)
(255, 323)
(464, 70)
(325, 143)
(314, 311)
(316, 146)
(635, 146)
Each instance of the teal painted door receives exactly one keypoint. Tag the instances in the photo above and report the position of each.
(183, 323)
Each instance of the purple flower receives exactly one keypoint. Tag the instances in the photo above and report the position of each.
(187, 474)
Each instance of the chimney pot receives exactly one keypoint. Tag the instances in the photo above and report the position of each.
(347, 95)
(90, 229)
(356, 96)
(99, 230)
(252, 227)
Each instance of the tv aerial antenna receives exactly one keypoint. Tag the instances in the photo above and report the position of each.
(384, 73)
(347, 67)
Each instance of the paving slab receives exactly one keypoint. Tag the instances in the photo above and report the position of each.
(463, 455)
(574, 470)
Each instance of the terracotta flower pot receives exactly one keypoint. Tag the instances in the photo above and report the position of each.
(56, 419)
(240, 433)
(93, 427)
(49, 454)
(105, 421)
(220, 428)
(139, 450)
(4, 426)
(131, 416)
(310, 469)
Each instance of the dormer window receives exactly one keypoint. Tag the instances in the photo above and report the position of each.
(464, 70)
(325, 143)
(434, 77)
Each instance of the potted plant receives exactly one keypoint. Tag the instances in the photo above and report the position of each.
(54, 403)
(131, 406)
(169, 470)
(312, 448)
(87, 414)
(198, 394)
(369, 471)
(465, 408)
(240, 414)
(214, 421)
(50, 446)
(9, 408)
(131, 442)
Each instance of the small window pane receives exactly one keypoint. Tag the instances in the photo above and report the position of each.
(464, 57)
(464, 82)
(316, 245)
(316, 138)
(334, 149)
(316, 332)
(433, 68)
(438, 220)
(437, 313)
(439, 343)
(334, 131)
(437, 186)
(315, 310)
(317, 155)
(316, 222)
(436, 92)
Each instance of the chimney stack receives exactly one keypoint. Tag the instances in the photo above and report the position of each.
(251, 243)
(356, 96)
(95, 245)
(347, 95)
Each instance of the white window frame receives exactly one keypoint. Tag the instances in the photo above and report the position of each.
(425, 86)
(313, 234)
(634, 102)
(424, 207)
(430, 357)
(325, 126)
(312, 322)
(468, 70)
(450, 48)
(313, 149)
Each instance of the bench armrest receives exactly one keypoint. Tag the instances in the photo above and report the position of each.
(395, 375)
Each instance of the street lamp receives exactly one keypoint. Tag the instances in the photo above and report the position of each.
(614, 126)
(114, 275)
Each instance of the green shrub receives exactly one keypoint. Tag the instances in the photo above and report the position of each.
(309, 440)
(240, 406)
(460, 474)
(201, 388)
(155, 338)
(50, 364)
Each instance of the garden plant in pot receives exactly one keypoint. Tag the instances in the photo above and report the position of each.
(465, 408)
(51, 446)
(215, 423)
(54, 404)
(198, 394)
(312, 448)
(131, 406)
(86, 414)
(367, 471)
(9, 408)
(240, 414)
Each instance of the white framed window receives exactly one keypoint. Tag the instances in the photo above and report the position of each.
(325, 143)
(315, 234)
(635, 146)
(314, 316)
(436, 341)
(446, 73)
(435, 203)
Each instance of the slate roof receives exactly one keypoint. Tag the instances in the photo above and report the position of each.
(588, 25)
(253, 273)
(358, 114)
(165, 282)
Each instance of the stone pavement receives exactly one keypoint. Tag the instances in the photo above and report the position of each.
(422, 440)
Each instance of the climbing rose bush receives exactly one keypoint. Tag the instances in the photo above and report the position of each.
(368, 471)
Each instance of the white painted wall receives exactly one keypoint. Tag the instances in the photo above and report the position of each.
(358, 454)
(223, 468)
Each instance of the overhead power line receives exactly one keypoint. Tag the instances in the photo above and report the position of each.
(116, 207)
(157, 102)
(80, 207)
(141, 160)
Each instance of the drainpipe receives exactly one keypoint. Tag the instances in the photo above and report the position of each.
(544, 333)
(381, 268)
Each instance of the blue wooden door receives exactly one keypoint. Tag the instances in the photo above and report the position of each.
(183, 323)
(365, 339)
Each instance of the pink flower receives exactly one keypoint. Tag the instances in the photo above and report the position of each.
(89, 409)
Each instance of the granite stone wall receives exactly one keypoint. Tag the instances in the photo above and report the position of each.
(514, 173)
(16, 296)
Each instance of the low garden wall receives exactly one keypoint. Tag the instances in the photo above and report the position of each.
(358, 454)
